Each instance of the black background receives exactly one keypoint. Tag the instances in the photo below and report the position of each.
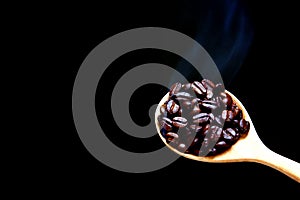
(266, 84)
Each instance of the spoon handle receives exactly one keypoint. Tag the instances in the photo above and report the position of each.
(280, 163)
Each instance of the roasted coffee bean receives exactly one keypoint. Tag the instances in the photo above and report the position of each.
(237, 136)
(227, 100)
(201, 118)
(172, 107)
(209, 104)
(200, 115)
(167, 124)
(244, 126)
(166, 120)
(198, 88)
(167, 127)
(183, 96)
(231, 131)
(221, 144)
(175, 88)
(227, 115)
(227, 136)
(179, 122)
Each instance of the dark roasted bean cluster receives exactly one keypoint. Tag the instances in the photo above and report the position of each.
(200, 118)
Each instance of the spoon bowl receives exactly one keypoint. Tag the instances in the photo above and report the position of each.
(247, 149)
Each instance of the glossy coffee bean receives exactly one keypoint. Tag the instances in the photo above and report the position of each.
(167, 124)
(198, 88)
(179, 122)
(227, 115)
(172, 107)
(201, 118)
(244, 126)
(227, 100)
(231, 131)
(222, 144)
(200, 115)
(227, 136)
(184, 95)
(209, 104)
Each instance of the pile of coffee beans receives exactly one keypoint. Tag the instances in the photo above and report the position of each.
(200, 118)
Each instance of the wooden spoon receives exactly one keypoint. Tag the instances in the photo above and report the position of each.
(247, 149)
